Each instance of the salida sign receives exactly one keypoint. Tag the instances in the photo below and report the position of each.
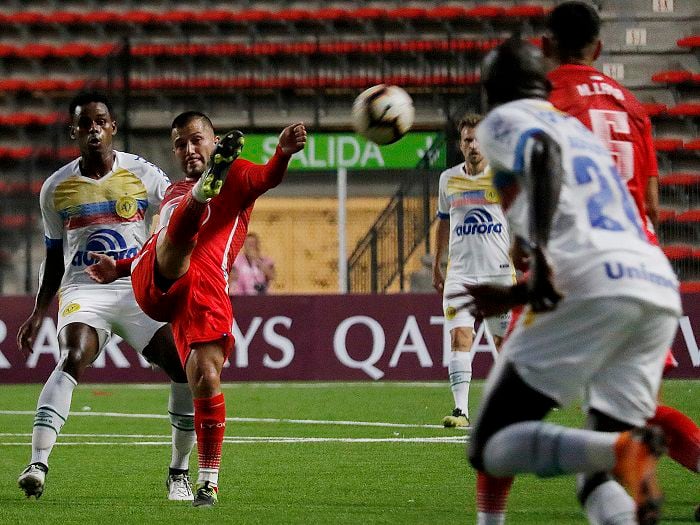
(395, 337)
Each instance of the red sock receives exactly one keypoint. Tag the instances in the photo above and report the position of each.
(682, 436)
(492, 493)
(185, 220)
(210, 425)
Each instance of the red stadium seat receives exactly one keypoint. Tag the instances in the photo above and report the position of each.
(26, 18)
(101, 17)
(688, 109)
(331, 13)
(407, 13)
(690, 287)
(668, 144)
(654, 109)
(672, 77)
(73, 49)
(64, 17)
(680, 179)
(526, 11)
(12, 84)
(35, 51)
(14, 221)
(485, 11)
(138, 17)
(7, 50)
(252, 16)
(693, 145)
(292, 15)
(447, 12)
(666, 214)
(689, 216)
(677, 252)
(216, 16)
(689, 41)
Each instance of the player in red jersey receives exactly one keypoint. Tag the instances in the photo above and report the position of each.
(181, 274)
(619, 120)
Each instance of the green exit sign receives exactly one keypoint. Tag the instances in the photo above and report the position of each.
(329, 151)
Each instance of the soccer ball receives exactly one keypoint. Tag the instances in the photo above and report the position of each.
(383, 114)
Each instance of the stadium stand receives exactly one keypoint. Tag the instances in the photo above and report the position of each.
(261, 64)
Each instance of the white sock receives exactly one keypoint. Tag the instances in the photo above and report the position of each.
(460, 370)
(208, 474)
(52, 410)
(609, 504)
(181, 411)
(546, 449)
(490, 518)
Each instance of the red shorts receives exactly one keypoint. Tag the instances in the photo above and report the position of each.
(196, 305)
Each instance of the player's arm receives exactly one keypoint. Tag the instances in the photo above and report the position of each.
(261, 178)
(442, 240)
(51, 275)
(543, 174)
(652, 202)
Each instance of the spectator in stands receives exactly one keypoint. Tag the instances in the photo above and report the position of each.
(99, 202)
(473, 224)
(253, 272)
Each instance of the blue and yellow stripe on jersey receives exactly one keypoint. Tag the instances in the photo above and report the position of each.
(120, 197)
(466, 191)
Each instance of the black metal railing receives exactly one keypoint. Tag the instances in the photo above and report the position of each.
(380, 256)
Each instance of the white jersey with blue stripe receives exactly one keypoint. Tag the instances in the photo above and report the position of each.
(479, 238)
(109, 215)
(597, 244)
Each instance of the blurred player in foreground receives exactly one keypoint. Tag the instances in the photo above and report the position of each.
(618, 119)
(99, 201)
(181, 274)
(472, 223)
(603, 302)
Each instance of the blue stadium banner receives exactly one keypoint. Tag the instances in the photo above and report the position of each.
(329, 151)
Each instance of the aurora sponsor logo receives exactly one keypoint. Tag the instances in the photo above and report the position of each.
(478, 222)
(106, 241)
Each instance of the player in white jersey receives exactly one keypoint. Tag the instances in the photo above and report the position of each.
(99, 202)
(603, 303)
(472, 223)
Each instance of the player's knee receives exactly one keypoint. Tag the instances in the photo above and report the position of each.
(586, 484)
(74, 362)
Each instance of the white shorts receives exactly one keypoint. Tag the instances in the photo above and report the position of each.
(110, 310)
(609, 351)
(456, 317)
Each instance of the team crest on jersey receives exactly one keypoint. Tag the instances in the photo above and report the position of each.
(478, 222)
(450, 313)
(109, 242)
(70, 309)
(126, 207)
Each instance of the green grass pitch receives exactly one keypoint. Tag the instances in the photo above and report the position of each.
(343, 453)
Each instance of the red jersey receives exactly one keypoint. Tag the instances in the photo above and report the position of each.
(615, 116)
(197, 304)
(225, 226)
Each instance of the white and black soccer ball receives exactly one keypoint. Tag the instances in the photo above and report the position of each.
(383, 114)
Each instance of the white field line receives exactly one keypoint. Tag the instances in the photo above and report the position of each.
(239, 419)
(260, 439)
(292, 385)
